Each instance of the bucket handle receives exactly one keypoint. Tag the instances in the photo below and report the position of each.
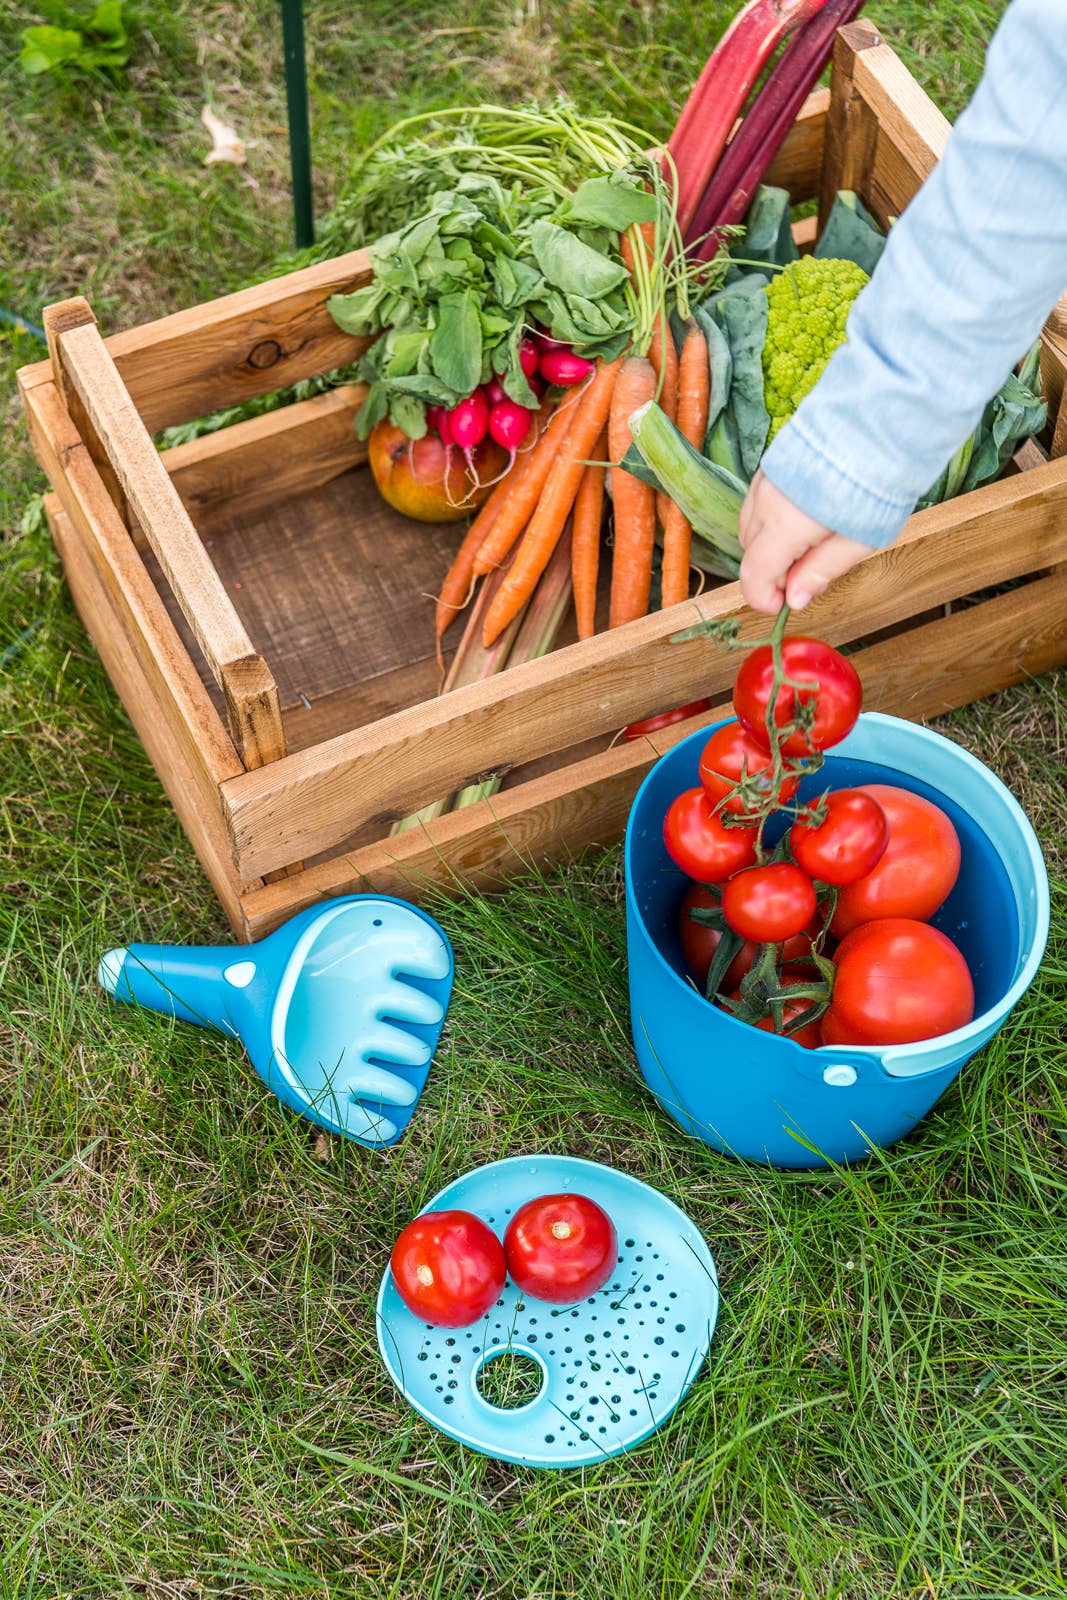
(873, 1068)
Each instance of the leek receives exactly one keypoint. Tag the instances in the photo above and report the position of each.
(708, 495)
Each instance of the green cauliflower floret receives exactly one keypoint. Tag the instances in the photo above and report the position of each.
(807, 308)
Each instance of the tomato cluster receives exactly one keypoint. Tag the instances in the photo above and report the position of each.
(867, 866)
(449, 1267)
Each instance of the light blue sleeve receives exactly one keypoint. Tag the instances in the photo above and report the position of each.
(968, 276)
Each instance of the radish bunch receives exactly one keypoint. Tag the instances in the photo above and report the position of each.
(489, 411)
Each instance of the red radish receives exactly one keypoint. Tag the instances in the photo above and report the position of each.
(529, 355)
(469, 424)
(469, 420)
(437, 422)
(564, 368)
(494, 391)
(509, 424)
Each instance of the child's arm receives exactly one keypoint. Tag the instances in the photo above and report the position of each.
(965, 282)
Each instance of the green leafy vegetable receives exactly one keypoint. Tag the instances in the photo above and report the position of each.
(456, 343)
(572, 266)
(608, 203)
(72, 41)
(1016, 412)
(456, 288)
(809, 299)
(851, 233)
(743, 424)
(720, 366)
(768, 232)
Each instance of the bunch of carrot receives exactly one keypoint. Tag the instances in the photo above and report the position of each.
(557, 482)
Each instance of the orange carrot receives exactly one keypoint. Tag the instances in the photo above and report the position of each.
(692, 419)
(661, 351)
(522, 502)
(664, 359)
(634, 502)
(456, 589)
(557, 497)
(646, 232)
(585, 539)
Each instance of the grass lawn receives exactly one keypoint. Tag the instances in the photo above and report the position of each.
(191, 1402)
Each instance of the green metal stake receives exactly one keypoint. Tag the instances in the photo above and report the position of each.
(296, 94)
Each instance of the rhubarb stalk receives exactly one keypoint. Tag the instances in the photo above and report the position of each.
(720, 92)
(537, 635)
(472, 662)
(756, 142)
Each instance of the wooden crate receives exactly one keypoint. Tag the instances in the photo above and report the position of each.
(267, 620)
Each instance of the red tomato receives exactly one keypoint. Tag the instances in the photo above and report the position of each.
(770, 903)
(850, 842)
(897, 981)
(664, 719)
(448, 1268)
(917, 871)
(729, 752)
(837, 698)
(699, 943)
(705, 848)
(561, 1248)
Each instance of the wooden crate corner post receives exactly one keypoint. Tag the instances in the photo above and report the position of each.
(851, 126)
(122, 450)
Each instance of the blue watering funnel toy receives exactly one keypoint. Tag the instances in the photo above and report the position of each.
(608, 1371)
(752, 1094)
(340, 1009)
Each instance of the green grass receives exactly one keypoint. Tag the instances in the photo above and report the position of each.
(191, 1402)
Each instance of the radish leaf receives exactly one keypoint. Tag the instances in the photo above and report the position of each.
(456, 342)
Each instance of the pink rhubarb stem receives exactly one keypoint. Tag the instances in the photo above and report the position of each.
(757, 141)
(720, 92)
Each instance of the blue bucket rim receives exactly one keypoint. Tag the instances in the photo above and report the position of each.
(978, 1026)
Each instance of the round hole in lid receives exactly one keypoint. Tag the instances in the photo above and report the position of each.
(509, 1380)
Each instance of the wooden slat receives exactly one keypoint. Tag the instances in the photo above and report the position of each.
(59, 319)
(908, 131)
(969, 654)
(797, 165)
(250, 693)
(235, 348)
(805, 233)
(919, 673)
(149, 714)
(892, 183)
(907, 118)
(851, 126)
(251, 465)
(1054, 382)
(1057, 318)
(307, 803)
(132, 611)
(1053, 375)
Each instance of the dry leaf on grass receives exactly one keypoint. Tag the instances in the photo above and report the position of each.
(225, 145)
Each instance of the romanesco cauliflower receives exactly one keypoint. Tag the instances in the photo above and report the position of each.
(807, 308)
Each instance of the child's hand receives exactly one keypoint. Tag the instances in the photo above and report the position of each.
(788, 555)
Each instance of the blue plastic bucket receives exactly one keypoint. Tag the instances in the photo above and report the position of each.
(767, 1099)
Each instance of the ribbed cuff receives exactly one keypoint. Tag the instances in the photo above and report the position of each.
(821, 487)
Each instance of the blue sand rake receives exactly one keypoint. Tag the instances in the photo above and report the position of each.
(340, 1009)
